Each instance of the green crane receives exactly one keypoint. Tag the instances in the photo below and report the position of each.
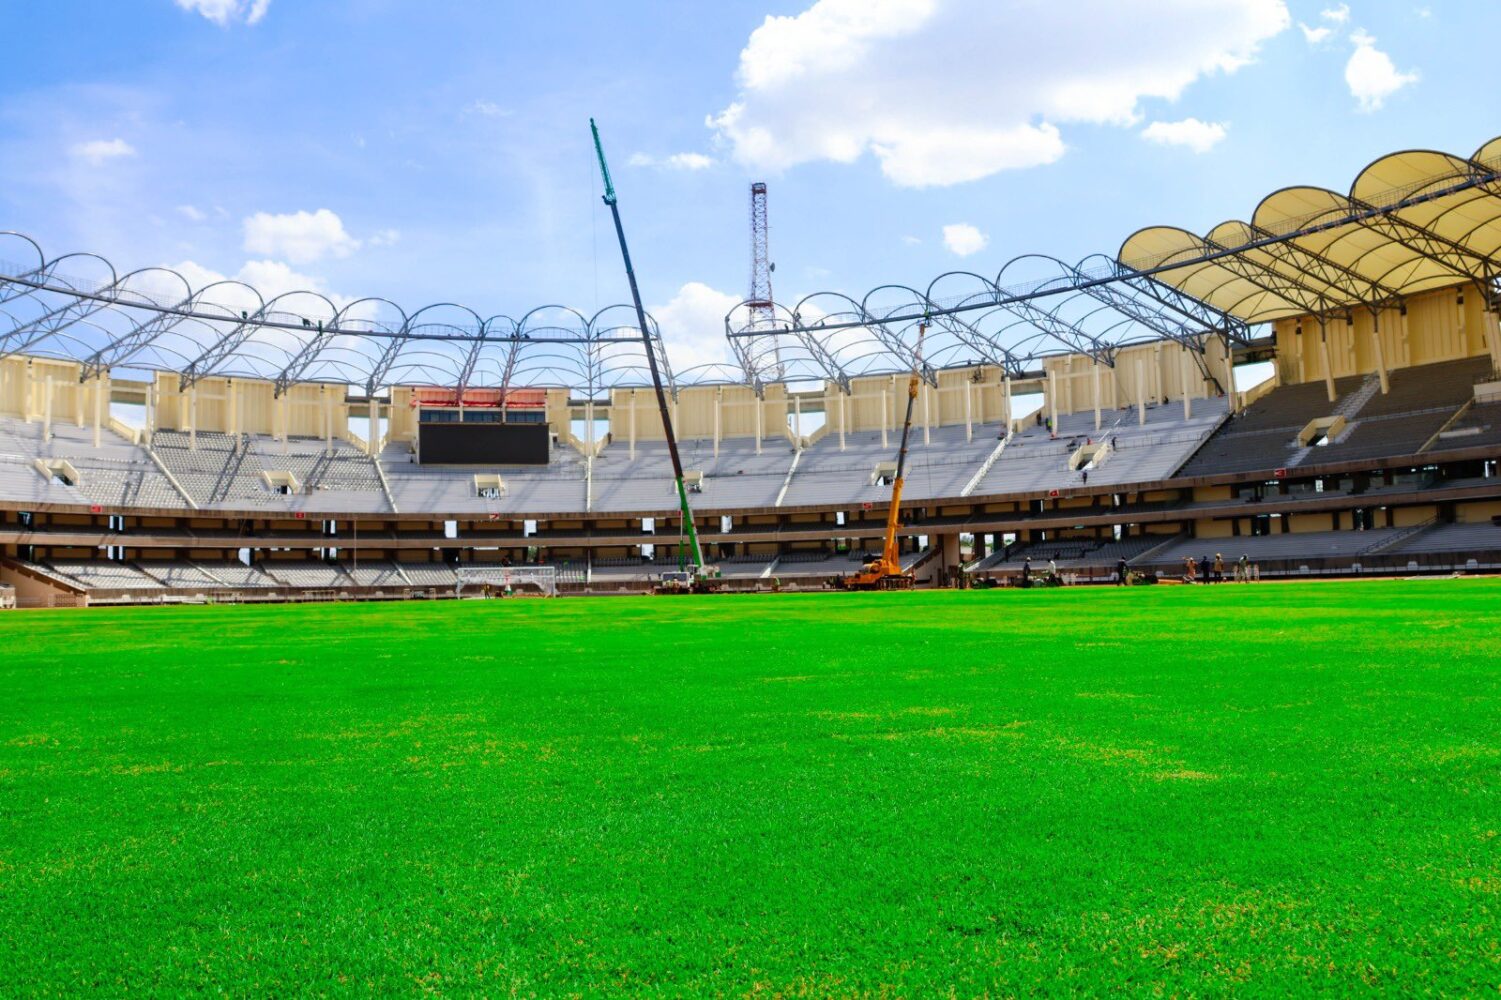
(656, 375)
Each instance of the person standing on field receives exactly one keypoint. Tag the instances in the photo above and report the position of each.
(1120, 572)
(1219, 568)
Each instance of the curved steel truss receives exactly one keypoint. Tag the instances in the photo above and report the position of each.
(1412, 221)
(78, 307)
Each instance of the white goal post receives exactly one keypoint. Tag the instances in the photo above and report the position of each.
(473, 580)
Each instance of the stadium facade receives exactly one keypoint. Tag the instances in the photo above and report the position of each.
(1372, 448)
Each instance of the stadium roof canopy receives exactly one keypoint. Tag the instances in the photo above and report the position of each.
(1411, 221)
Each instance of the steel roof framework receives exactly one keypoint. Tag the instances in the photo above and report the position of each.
(1412, 221)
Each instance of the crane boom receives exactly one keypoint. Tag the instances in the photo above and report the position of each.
(651, 361)
(885, 572)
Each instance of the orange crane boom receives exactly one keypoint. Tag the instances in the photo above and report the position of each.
(885, 571)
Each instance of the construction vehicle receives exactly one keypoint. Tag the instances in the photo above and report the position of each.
(885, 571)
(696, 578)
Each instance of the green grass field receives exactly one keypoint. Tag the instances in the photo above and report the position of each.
(1275, 789)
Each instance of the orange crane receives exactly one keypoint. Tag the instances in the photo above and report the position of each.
(885, 571)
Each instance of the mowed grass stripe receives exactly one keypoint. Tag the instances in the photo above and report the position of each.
(1271, 789)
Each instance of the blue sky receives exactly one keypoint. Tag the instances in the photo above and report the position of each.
(440, 151)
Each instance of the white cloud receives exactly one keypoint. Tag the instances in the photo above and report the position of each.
(1371, 74)
(191, 212)
(846, 77)
(963, 239)
(385, 238)
(1198, 136)
(692, 325)
(300, 237)
(912, 241)
(268, 277)
(98, 151)
(677, 161)
(225, 12)
(1336, 15)
(1313, 36)
(489, 109)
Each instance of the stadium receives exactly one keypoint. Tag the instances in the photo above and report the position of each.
(1037, 624)
(1370, 449)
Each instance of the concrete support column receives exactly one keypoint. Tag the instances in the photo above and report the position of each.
(1052, 398)
(1386, 384)
(328, 423)
(950, 554)
(589, 425)
(193, 417)
(47, 409)
(1493, 338)
(797, 419)
(28, 393)
(1230, 395)
(885, 420)
(969, 427)
(1328, 362)
(843, 418)
(633, 423)
(77, 404)
(718, 405)
(1184, 375)
(927, 417)
(1097, 396)
(1141, 391)
(760, 405)
(372, 439)
(1006, 405)
(99, 395)
(284, 405)
(151, 403)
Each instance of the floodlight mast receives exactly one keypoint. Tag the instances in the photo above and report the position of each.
(651, 361)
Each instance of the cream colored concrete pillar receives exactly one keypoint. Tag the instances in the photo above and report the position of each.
(969, 426)
(98, 409)
(28, 393)
(1006, 416)
(760, 405)
(1097, 396)
(1052, 398)
(927, 417)
(843, 418)
(1381, 373)
(372, 437)
(151, 404)
(633, 423)
(885, 420)
(1141, 391)
(1328, 362)
(47, 409)
(797, 418)
(718, 424)
(1183, 375)
(1493, 338)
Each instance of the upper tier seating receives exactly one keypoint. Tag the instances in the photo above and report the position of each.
(115, 474)
(940, 463)
(1036, 461)
(217, 474)
(1422, 399)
